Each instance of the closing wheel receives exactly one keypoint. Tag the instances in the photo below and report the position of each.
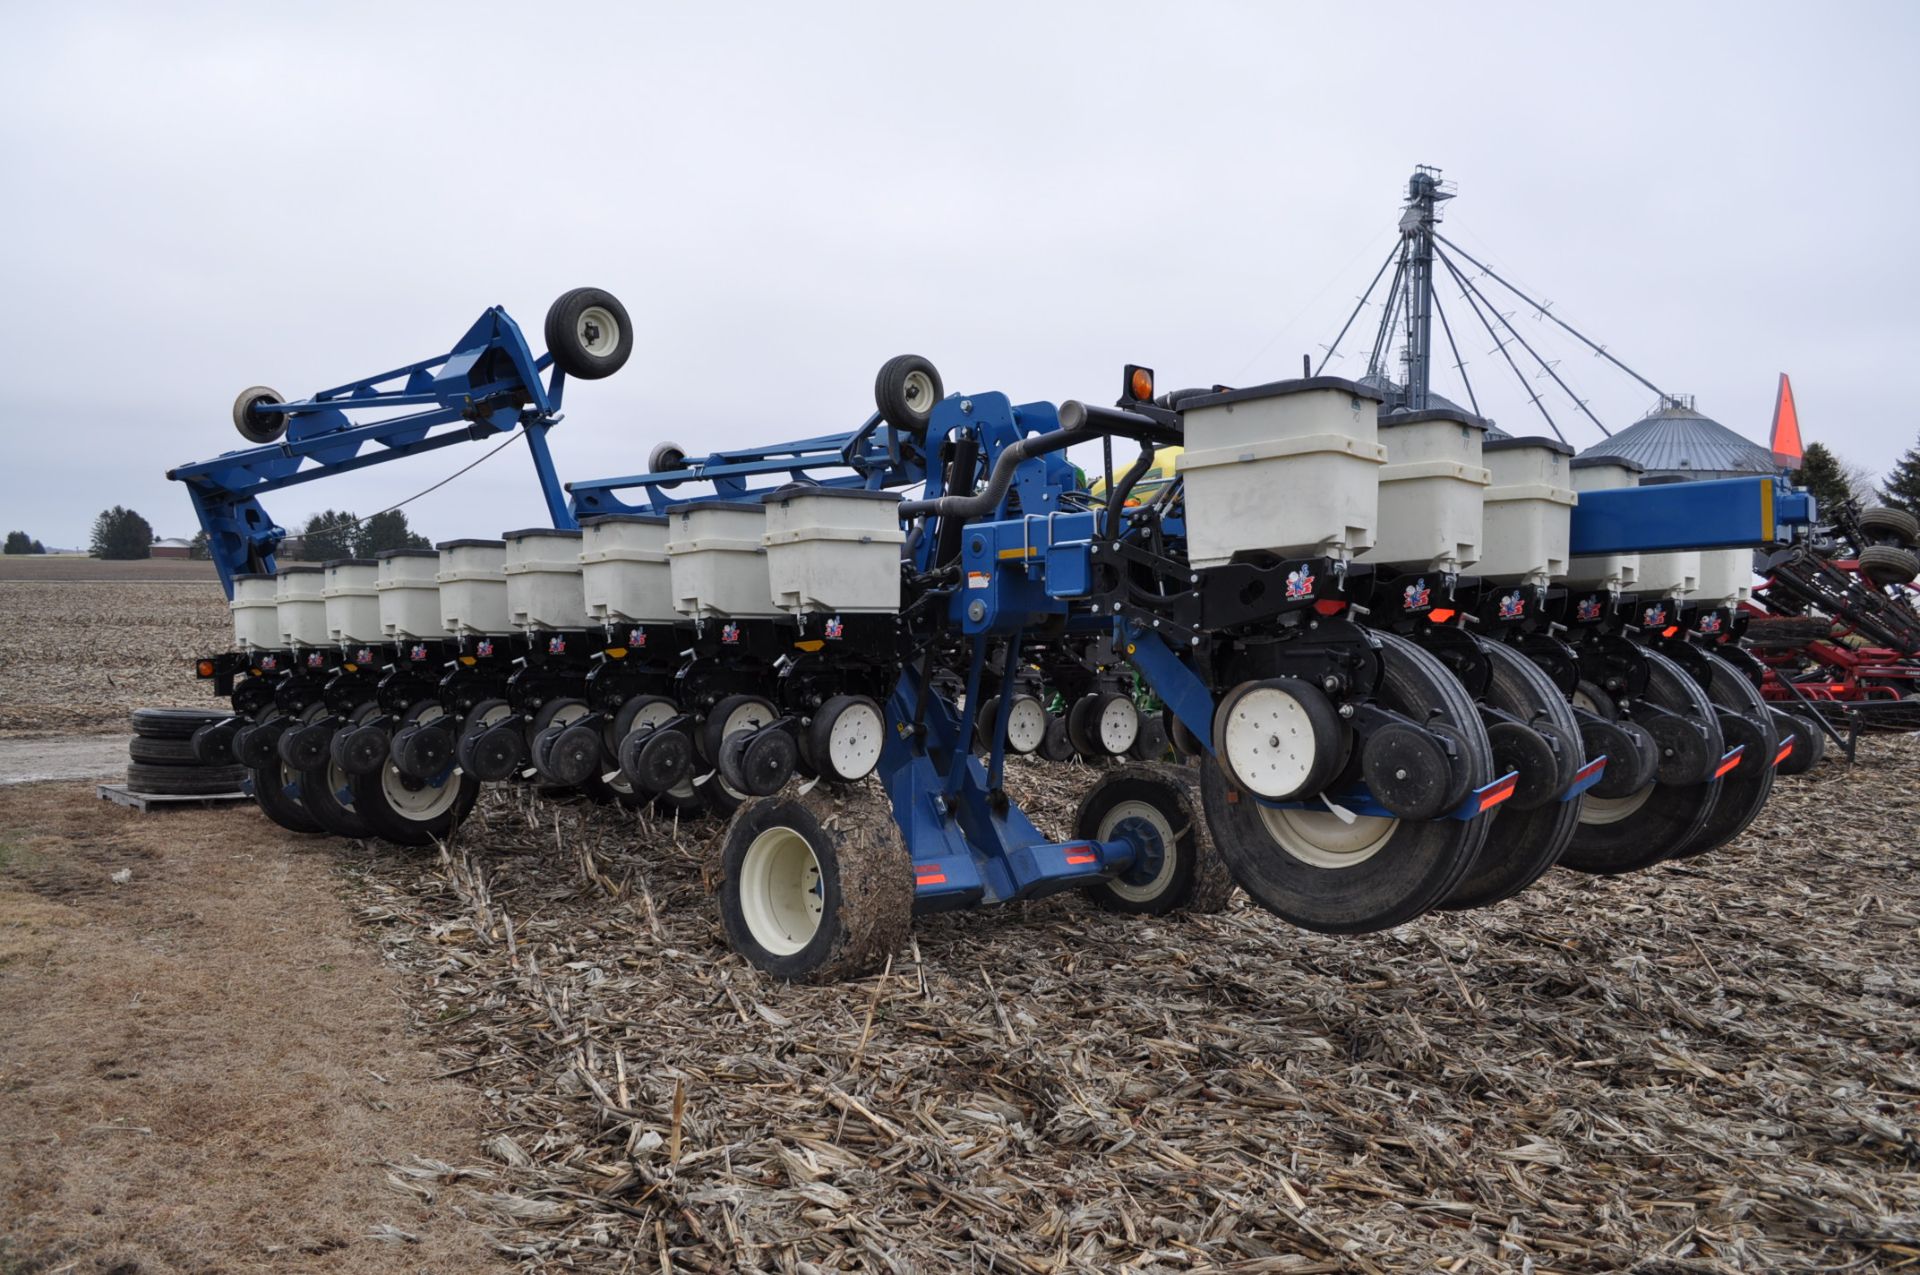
(1151, 745)
(905, 391)
(255, 425)
(588, 333)
(1351, 875)
(307, 750)
(1745, 788)
(655, 761)
(1809, 742)
(1103, 724)
(276, 786)
(544, 728)
(846, 733)
(815, 888)
(758, 764)
(1636, 830)
(409, 811)
(1525, 839)
(1055, 745)
(637, 716)
(1185, 873)
(1279, 739)
(732, 714)
(213, 742)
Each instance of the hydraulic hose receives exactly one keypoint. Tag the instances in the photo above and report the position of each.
(1078, 423)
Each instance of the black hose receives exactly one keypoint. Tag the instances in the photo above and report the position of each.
(1117, 498)
(1078, 423)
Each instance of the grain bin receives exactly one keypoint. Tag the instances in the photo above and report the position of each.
(833, 550)
(256, 613)
(717, 561)
(473, 586)
(352, 600)
(1529, 511)
(1431, 490)
(300, 607)
(544, 590)
(1290, 468)
(623, 567)
(409, 588)
(1619, 572)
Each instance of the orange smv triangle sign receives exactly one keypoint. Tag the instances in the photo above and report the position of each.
(1786, 428)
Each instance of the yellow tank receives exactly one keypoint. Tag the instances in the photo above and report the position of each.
(1150, 482)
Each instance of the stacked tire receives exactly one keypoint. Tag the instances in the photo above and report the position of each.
(162, 760)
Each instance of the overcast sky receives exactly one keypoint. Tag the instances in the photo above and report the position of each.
(201, 198)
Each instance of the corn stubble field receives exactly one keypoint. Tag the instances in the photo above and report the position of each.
(1708, 1067)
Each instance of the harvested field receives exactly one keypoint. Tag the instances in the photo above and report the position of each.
(95, 639)
(1709, 1067)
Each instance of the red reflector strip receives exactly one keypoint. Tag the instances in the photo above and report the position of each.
(1589, 769)
(1330, 606)
(931, 878)
(1785, 750)
(1498, 794)
(1731, 760)
(1083, 857)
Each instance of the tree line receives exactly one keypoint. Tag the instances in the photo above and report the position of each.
(121, 534)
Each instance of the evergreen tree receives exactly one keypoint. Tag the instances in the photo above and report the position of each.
(1902, 489)
(19, 542)
(329, 534)
(387, 530)
(1820, 473)
(197, 547)
(38, 547)
(121, 535)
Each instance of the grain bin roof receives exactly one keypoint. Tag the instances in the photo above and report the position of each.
(1676, 441)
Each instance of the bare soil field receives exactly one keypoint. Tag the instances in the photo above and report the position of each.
(1707, 1067)
(92, 640)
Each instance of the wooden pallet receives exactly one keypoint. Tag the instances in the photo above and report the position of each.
(147, 802)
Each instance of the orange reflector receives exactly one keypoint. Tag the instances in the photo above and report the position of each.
(206, 668)
(932, 878)
(1785, 750)
(1670, 630)
(811, 645)
(1330, 606)
(616, 652)
(1141, 383)
(1440, 615)
(1731, 760)
(468, 660)
(1488, 800)
(1077, 859)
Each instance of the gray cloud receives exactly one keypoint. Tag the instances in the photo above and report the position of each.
(201, 198)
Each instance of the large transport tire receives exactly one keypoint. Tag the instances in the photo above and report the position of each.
(185, 781)
(905, 391)
(1321, 873)
(414, 812)
(1190, 876)
(589, 334)
(1525, 842)
(163, 752)
(1745, 788)
(1883, 565)
(815, 888)
(1809, 742)
(276, 790)
(1639, 829)
(1897, 525)
(173, 723)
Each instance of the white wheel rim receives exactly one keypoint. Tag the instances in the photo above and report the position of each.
(1269, 742)
(1119, 726)
(1152, 814)
(1322, 839)
(1026, 725)
(853, 742)
(1601, 811)
(781, 898)
(746, 717)
(597, 331)
(418, 804)
(918, 391)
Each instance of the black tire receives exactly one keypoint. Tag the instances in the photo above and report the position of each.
(163, 752)
(1055, 745)
(1098, 729)
(394, 810)
(1404, 870)
(212, 744)
(846, 736)
(257, 428)
(1625, 834)
(1885, 523)
(185, 781)
(1151, 743)
(1809, 742)
(1523, 844)
(1744, 789)
(905, 391)
(326, 793)
(276, 790)
(173, 723)
(1191, 877)
(578, 334)
(1185, 742)
(1883, 565)
(864, 885)
(666, 456)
